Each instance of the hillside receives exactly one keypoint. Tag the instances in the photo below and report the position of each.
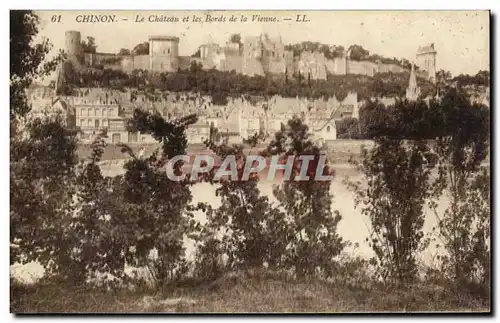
(221, 85)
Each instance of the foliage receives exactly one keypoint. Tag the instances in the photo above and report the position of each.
(124, 52)
(93, 244)
(89, 46)
(141, 49)
(235, 38)
(246, 228)
(482, 78)
(223, 85)
(330, 52)
(358, 53)
(348, 128)
(42, 152)
(27, 59)
(153, 208)
(397, 175)
(397, 184)
(464, 228)
(42, 158)
(307, 204)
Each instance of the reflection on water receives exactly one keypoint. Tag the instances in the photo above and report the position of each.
(353, 226)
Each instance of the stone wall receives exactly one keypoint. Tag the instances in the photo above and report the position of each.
(139, 62)
(361, 67)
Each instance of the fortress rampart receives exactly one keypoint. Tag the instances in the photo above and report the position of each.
(256, 55)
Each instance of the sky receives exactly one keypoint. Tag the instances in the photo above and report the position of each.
(461, 38)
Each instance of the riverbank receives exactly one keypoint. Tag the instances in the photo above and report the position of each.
(246, 292)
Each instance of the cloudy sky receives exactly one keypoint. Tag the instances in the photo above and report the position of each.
(460, 37)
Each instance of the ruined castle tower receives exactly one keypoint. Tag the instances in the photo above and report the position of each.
(163, 53)
(73, 47)
(252, 56)
(73, 43)
(426, 60)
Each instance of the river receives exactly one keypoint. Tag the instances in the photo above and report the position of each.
(353, 226)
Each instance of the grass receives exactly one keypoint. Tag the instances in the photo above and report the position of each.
(244, 293)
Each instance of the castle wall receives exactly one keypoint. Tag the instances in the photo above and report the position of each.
(337, 66)
(276, 66)
(361, 67)
(232, 63)
(206, 63)
(107, 60)
(252, 66)
(184, 62)
(390, 68)
(312, 65)
(139, 62)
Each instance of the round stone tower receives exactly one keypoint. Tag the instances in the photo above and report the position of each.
(73, 43)
(164, 53)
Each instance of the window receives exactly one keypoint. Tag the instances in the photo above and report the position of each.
(168, 51)
(132, 137)
(115, 138)
(328, 129)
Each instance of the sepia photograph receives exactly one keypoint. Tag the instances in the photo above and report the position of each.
(246, 161)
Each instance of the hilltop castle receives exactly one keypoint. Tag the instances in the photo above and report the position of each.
(256, 55)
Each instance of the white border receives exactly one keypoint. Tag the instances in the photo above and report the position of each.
(185, 5)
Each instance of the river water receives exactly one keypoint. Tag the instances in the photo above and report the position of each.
(353, 226)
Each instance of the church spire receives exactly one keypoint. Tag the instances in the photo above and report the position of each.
(413, 91)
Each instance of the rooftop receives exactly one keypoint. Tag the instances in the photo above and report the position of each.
(426, 49)
(168, 38)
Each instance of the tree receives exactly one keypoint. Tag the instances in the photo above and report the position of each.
(141, 49)
(153, 209)
(42, 159)
(307, 204)
(92, 242)
(358, 53)
(89, 46)
(27, 59)
(235, 38)
(397, 173)
(124, 52)
(246, 227)
(443, 78)
(464, 227)
(348, 128)
(42, 152)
